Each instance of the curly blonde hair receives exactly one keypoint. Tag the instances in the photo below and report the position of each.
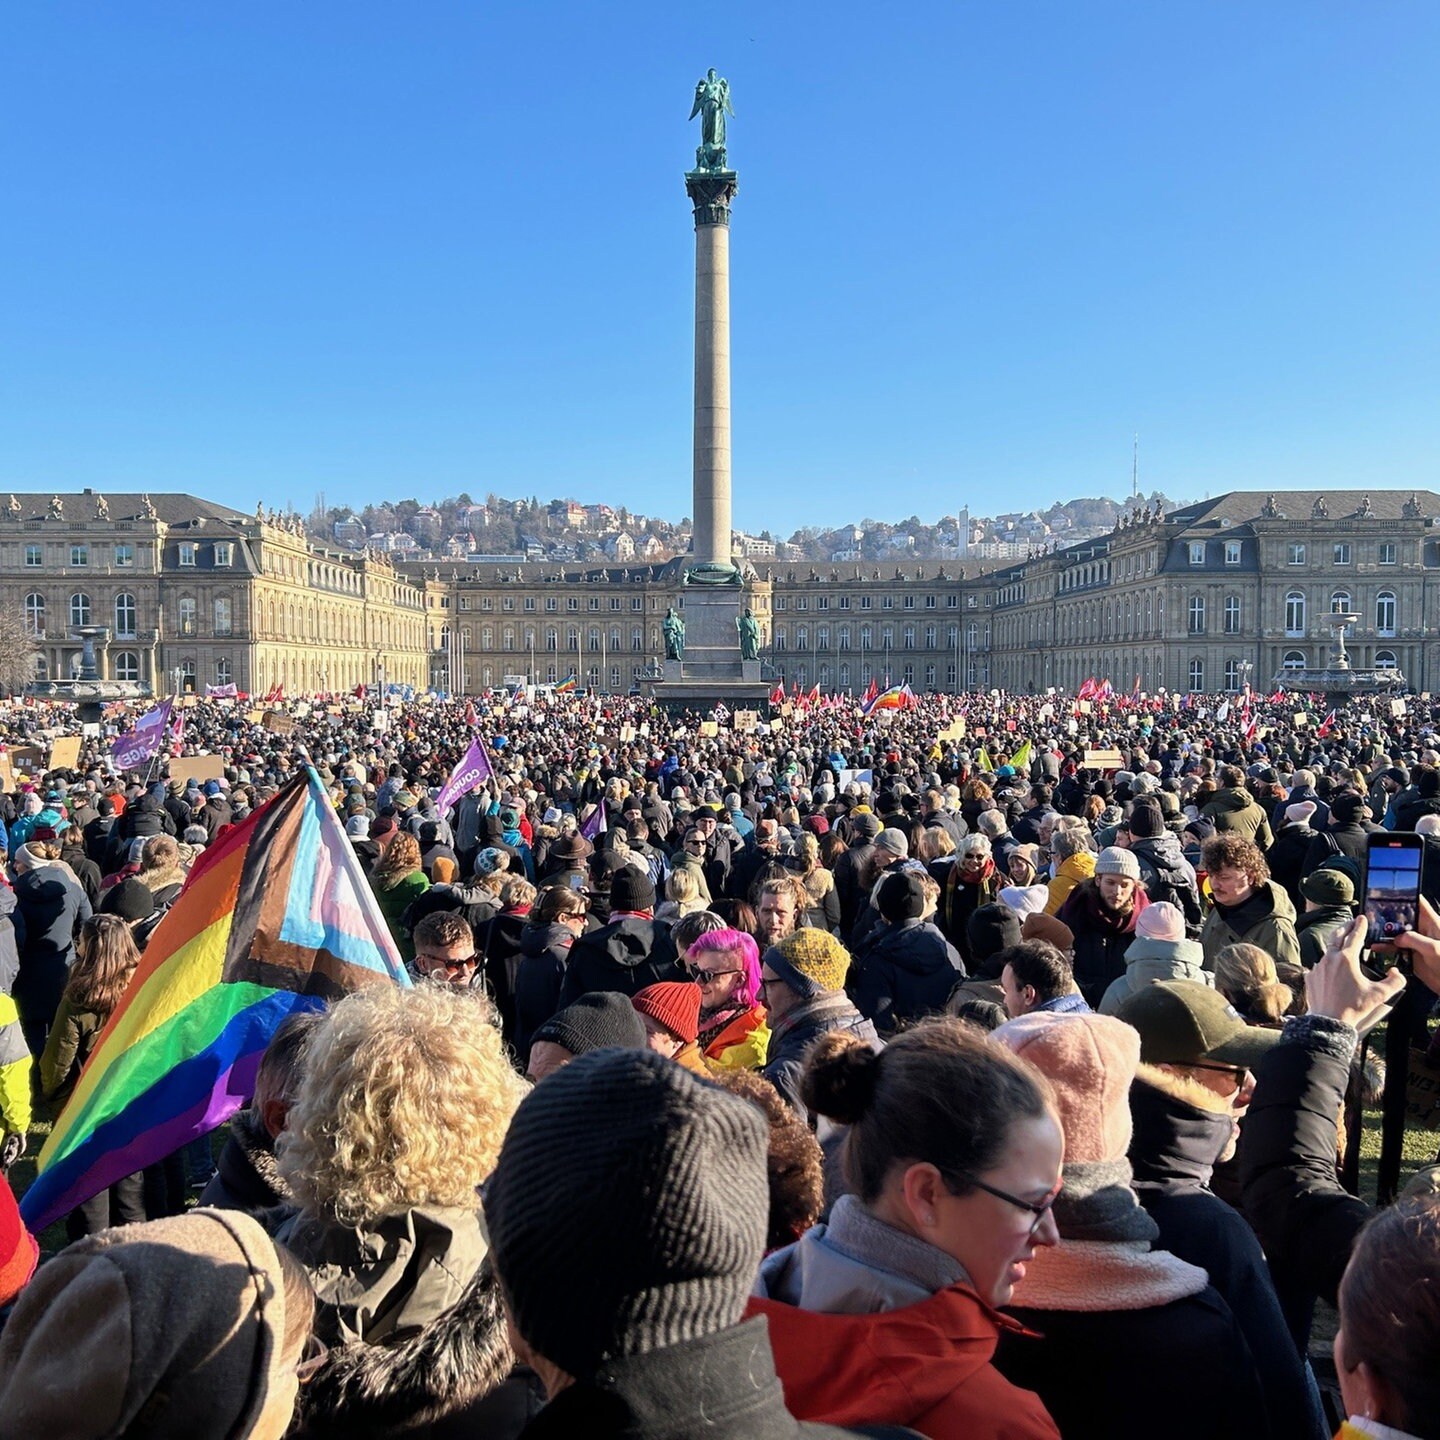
(406, 1098)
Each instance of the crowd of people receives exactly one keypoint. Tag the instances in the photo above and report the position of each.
(919, 1071)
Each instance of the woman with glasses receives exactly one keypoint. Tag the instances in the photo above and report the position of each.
(888, 1313)
(733, 1031)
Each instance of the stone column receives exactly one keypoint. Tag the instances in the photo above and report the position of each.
(711, 193)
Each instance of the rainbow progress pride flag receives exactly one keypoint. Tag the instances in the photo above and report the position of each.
(275, 917)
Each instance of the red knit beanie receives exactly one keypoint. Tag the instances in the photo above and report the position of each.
(675, 1004)
(18, 1250)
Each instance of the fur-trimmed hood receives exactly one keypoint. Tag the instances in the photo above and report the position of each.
(1181, 1130)
(364, 1392)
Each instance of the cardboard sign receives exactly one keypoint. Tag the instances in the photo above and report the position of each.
(1103, 760)
(90, 730)
(1397, 709)
(26, 758)
(746, 720)
(65, 753)
(708, 729)
(276, 723)
(7, 775)
(254, 717)
(199, 768)
(1083, 706)
(627, 734)
(955, 730)
(1300, 720)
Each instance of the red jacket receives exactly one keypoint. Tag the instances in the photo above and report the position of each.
(926, 1366)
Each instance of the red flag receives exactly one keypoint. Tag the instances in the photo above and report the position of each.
(1087, 690)
(777, 695)
(814, 696)
(870, 693)
(1326, 726)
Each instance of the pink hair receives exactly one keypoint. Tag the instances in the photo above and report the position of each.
(737, 946)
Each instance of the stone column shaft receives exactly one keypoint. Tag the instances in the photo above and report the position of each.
(712, 395)
(711, 192)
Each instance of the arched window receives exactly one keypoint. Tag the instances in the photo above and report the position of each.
(125, 616)
(1197, 674)
(552, 639)
(844, 676)
(224, 672)
(1340, 602)
(1295, 613)
(592, 640)
(1232, 614)
(79, 609)
(1232, 674)
(822, 638)
(1385, 660)
(1385, 613)
(908, 636)
(1197, 614)
(1294, 660)
(35, 613)
(802, 637)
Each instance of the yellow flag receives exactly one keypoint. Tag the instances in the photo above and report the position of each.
(1020, 760)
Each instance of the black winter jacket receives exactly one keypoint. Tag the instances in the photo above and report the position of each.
(904, 971)
(793, 1034)
(544, 955)
(1168, 875)
(1181, 1131)
(1305, 1220)
(626, 955)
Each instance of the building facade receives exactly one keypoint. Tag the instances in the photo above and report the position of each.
(194, 594)
(1229, 591)
(1209, 597)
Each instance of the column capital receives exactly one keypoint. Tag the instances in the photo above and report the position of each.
(711, 192)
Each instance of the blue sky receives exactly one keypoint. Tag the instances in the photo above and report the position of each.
(265, 250)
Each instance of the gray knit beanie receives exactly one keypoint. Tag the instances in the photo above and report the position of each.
(669, 1173)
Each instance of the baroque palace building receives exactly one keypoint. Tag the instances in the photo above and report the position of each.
(195, 594)
(1209, 597)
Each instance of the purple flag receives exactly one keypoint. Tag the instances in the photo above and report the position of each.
(139, 746)
(594, 825)
(474, 768)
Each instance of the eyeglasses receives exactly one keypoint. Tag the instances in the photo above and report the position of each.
(701, 976)
(1038, 1209)
(766, 984)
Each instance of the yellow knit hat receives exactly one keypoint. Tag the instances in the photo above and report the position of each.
(810, 962)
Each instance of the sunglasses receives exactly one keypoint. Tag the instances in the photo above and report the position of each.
(463, 962)
(701, 976)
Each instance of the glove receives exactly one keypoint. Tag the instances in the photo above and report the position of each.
(12, 1149)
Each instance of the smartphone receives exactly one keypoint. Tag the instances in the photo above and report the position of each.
(1392, 885)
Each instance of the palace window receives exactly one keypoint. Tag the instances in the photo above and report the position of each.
(1385, 660)
(1197, 614)
(1340, 552)
(1295, 553)
(1294, 660)
(1294, 613)
(1197, 552)
(125, 616)
(1197, 674)
(127, 665)
(35, 613)
(1232, 614)
(34, 555)
(79, 610)
(1385, 613)
(79, 556)
(1386, 553)
(187, 553)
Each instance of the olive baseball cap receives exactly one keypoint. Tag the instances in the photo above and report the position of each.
(1182, 1022)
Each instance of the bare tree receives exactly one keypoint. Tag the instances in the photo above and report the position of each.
(17, 652)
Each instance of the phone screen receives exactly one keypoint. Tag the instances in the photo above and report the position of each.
(1392, 886)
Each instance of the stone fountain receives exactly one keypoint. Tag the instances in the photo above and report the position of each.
(88, 690)
(1339, 681)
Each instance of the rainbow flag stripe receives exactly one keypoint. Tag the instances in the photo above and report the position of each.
(276, 917)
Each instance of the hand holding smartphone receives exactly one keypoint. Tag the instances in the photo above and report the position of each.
(1392, 892)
